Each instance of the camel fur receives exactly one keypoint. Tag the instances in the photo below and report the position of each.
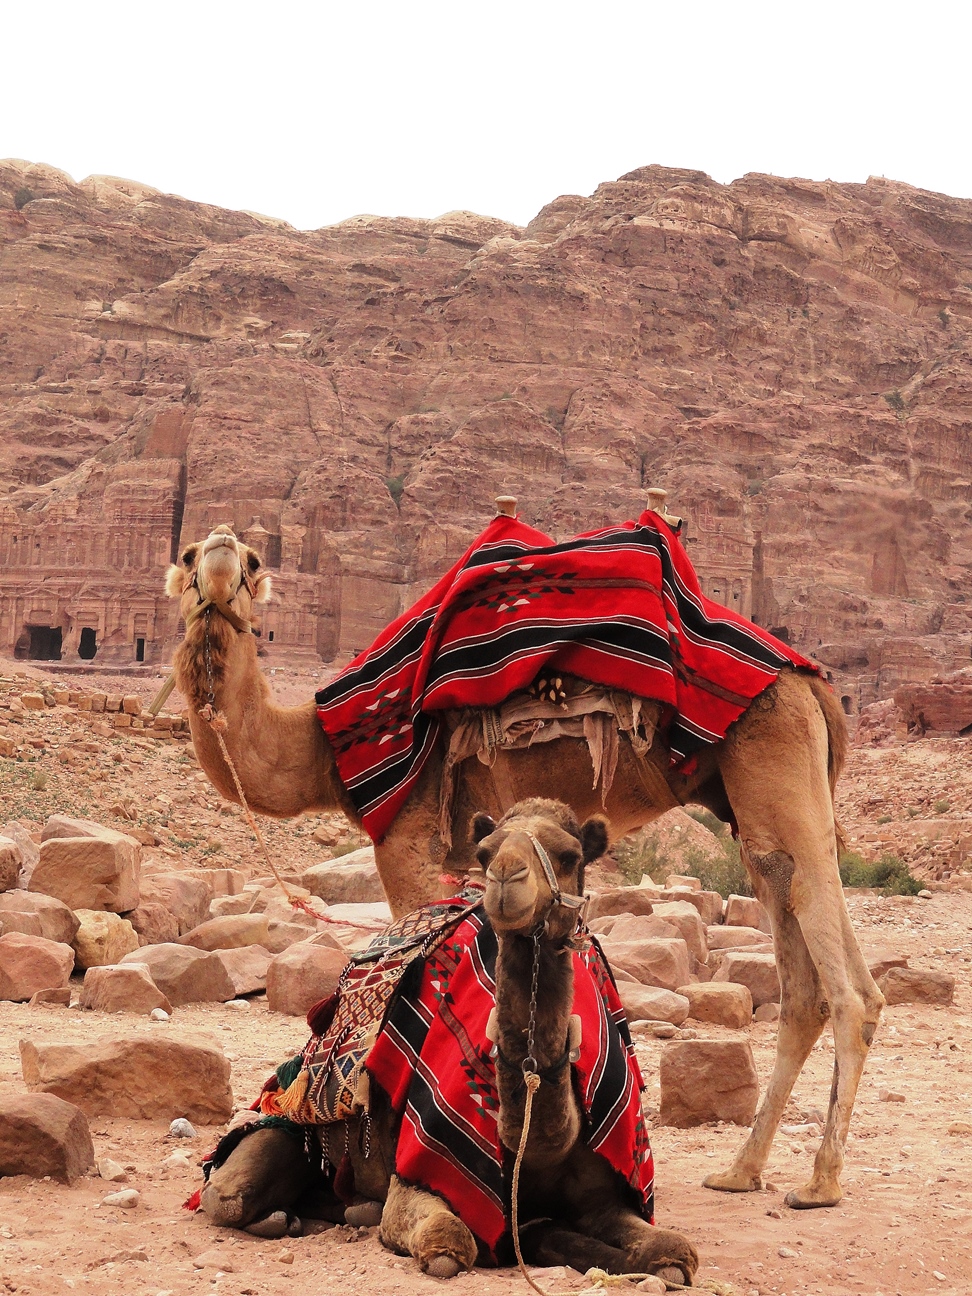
(586, 1218)
(773, 774)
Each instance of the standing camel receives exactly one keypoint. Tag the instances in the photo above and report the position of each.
(773, 774)
(582, 1212)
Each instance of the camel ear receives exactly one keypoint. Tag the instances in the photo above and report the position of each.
(482, 826)
(175, 578)
(594, 837)
(189, 556)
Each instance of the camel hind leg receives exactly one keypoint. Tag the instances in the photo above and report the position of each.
(774, 764)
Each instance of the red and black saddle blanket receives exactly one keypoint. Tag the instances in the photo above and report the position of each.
(620, 607)
(433, 1060)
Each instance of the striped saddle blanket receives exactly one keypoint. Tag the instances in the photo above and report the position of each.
(620, 607)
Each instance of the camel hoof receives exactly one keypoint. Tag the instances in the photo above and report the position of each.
(443, 1266)
(364, 1214)
(271, 1226)
(672, 1277)
(732, 1181)
(810, 1198)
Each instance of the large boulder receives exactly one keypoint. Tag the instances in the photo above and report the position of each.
(634, 927)
(31, 963)
(646, 1003)
(96, 869)
(127, 987)
(349, 879)
(707, 1080)
(744, 911)
(230, 932)
(29, 849)
(42, 1135)
(302, 975)
(755, 971)
(246, 968)
(11, 860)
(185, 897)
(718, 937)
(143, 1076)
(687, 919)
(662, 963)
(102, 938)
(38, 915)
(901, 985)
(185, 975)
(620, 900)
(154, 924)
(721, 1002)
(709, 904)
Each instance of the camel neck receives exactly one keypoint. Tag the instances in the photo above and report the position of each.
(555, 1123)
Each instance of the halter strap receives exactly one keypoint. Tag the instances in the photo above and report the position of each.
(567, 901)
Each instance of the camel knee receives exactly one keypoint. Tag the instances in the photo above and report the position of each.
(266, 1172)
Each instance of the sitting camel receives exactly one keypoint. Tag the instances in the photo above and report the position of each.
(773, 774)
(582, 1210)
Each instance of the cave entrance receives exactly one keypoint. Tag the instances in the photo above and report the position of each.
(45, 643)
(88, 645)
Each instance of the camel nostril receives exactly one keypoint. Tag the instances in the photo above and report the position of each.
(518, 876)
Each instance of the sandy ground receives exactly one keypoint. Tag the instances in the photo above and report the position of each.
(904, 1226)
(906, 1216)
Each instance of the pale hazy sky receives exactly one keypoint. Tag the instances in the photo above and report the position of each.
(317, 111)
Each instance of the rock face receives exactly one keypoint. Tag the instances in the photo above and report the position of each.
(97, 871)
(141, 1076)
(186, 898)
(11, 859)
(44, 1135)
(349, 879)
(31, 963)
(786, 357)
(707, 1080)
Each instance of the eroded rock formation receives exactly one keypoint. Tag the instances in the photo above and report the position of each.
(791, 360)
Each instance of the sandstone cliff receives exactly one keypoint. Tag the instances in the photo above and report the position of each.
(791, 360)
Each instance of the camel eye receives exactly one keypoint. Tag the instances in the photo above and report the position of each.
(569, 860)
(252, 561)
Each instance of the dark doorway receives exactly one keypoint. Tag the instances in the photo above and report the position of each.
(270, 637)
(45, 643)
(139, 649)
(845, 702)
(88, 645)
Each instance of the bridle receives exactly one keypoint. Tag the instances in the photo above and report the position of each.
(204, 606)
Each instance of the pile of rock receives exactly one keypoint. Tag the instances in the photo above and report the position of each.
(79, 901)
(106, 713)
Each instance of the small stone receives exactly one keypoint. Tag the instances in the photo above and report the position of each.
(890, 1095)
(774, 1214)
(127, 1199)
(159, 1014)
(960, 1128)
(770, 1187)
(936, 1273)
(664, 1030)
(59, 996)
(787, 1253)
(767, 1012)
(181, 1128)
(652, 1284)
(178, 1161)
(286, 1257)
(924, 894)
(237, 1004)
(214, 1259)
(111, 1170)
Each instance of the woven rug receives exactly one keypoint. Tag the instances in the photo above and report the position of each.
(620, 607)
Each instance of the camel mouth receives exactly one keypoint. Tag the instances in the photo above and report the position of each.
(510, 904)
(213, 542)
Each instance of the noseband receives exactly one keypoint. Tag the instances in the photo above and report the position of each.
(577, 903)
(222, 606)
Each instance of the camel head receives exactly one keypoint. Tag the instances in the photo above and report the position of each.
(220, 569)
(519, 896)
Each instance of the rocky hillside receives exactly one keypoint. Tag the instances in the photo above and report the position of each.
(791, 360)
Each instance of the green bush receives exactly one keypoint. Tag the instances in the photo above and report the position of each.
(396, 486)
(723, 872)
(895, 400)
(890, 873)
(942, 807)
(22, 197)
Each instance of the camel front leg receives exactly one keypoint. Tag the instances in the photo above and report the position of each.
(803, 1013)
(421, 1225)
